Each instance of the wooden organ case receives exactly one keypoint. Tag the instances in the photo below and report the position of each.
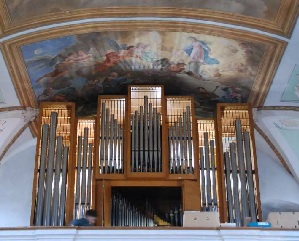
(143, 160)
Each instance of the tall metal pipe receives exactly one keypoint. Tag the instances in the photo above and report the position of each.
(89, 180)
(229, 187)
(55, 205)
(84, 164)
(155, 139)
(63, 186)
(122, 149)
(133, 166)
(102, 137)
(49, 177)
(146, 132)
(78, 178)
(202, 179)
(232, 149)
(118, 147)
(249, 176)
(111, 145)
(208, 173)
(241, 165)
(159, 143)
(141, 140)
(176, 148)
(180, 147)
(189, 139)
(212, 151)
(41, 176)
(150, 126)
(136, 141)
(185, 144)
(107, 133)
(170, 143)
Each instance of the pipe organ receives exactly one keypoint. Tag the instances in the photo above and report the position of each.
(143, 160)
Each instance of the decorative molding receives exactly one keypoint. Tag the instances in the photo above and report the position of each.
(28, 113)
(277, 153)
(12, 108)
(281, 25)
(285, 108)
(97, 233)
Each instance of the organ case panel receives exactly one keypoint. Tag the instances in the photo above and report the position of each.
(110, 142)
(182, 138)
(147, 157)
(52, 193)
(241, 200)
(84, 168)
(209, 174)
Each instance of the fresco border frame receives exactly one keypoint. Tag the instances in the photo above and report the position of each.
(282, 25)
(274, 49)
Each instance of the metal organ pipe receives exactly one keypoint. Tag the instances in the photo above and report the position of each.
(229, 193)
(83, 172)
(203, 179)
(180, 143)
(55, 206)
(89, 176)
(215, 201)
(189, 138)
(63, 185)
(208, 173)
(232, 149)
(51, 194)
(78, 179)
(102, 137)
(241, 166)
(251, 195)
(41, 176)
(146, 146)
(111, 138)
(50, 165)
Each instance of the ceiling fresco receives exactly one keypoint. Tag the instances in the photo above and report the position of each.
(212, 69)
(275, 16)
(176, 46)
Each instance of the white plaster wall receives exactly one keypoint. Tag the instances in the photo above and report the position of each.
(6, 86)
(279, 191)
(16, 177)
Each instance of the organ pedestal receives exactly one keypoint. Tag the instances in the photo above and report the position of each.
(143, 160)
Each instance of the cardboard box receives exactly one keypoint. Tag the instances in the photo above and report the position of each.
(201, 219)
(288, 220)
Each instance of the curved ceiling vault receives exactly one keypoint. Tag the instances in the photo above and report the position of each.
(74, 50)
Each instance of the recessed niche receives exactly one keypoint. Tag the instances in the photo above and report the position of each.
(146, 206)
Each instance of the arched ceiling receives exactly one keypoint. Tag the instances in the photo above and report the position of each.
(232, 51)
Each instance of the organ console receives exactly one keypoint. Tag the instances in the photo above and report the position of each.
(143, 160)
